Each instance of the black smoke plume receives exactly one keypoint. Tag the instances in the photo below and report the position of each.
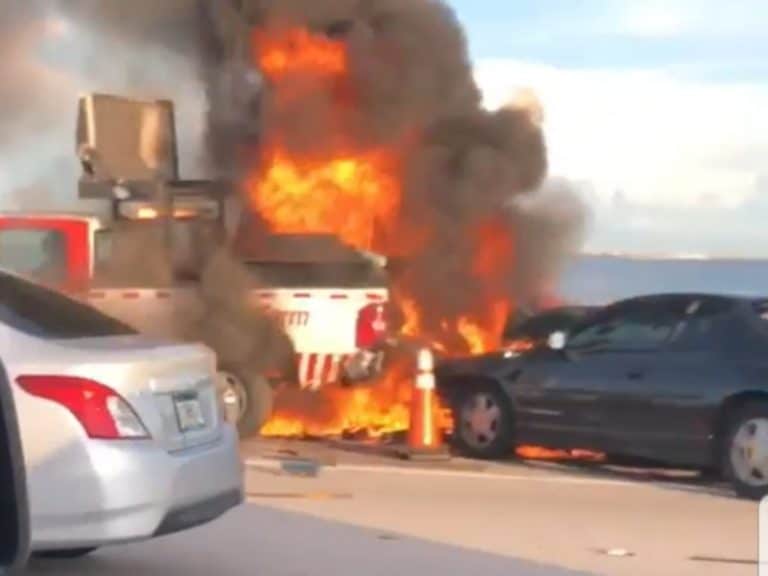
(463, 167)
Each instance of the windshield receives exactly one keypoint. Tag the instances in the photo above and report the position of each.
(540, 326)
(43, 313)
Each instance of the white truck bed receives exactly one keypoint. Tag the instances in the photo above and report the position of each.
(320, 322)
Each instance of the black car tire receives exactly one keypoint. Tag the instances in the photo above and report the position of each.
(72, 554)
(736, 423)
(469, 396)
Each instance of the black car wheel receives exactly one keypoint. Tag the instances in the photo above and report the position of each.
(745, 451)
(483, 421)
(72, 554)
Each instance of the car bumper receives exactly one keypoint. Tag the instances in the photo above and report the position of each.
(124, 492)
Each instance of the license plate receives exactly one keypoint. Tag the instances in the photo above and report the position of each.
(189, 412)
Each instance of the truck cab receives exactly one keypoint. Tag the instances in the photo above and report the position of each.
(55, 249)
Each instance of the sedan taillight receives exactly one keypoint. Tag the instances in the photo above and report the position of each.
(102, 412)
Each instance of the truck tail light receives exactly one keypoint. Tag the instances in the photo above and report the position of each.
(101, 411)
(183, 209)
(371, 325)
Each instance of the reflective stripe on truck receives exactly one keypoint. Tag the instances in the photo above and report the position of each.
(317, 370)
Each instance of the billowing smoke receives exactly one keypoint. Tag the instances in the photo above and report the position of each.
(51, 51)
(473, 225)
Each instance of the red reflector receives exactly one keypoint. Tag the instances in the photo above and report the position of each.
(371, 326)
(87, 400)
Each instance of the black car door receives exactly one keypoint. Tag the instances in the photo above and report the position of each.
(664, 406)
(564, 397)
(14, 515)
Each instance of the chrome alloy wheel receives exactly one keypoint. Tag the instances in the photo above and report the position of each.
(480, 420)
(234, 396)
(749, 452)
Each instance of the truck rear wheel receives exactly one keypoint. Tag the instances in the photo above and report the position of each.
(248, 399)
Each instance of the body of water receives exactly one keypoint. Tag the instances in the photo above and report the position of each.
(601, 279)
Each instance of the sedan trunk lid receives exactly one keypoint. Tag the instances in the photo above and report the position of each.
(172, 387)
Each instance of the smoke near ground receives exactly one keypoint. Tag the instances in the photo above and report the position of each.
(410, 88)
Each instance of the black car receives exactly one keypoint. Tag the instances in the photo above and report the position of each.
(678, 379)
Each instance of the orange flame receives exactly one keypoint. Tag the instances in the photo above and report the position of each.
(376, 411)
(483, 337)
(347, 195)
(297, 51)
(355, 193)
(539, 453)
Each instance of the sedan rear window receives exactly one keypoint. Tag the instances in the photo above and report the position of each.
(41, 312)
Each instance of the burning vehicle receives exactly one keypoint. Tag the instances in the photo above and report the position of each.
(614, 386)
(368, 125)
(360, 122)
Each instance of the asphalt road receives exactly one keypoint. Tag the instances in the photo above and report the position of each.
(264, 541)
(364, 515)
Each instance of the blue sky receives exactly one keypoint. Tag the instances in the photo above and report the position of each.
(656, 111)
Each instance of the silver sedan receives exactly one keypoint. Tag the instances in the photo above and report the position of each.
(123, 436)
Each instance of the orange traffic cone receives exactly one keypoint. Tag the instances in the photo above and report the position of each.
(425, 438)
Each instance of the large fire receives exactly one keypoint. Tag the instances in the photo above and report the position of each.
(282, 52)
(355, 193)
(375, 411)
(349, 195)
(342, 190)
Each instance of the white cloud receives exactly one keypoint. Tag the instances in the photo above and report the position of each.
(660, 140)
(665, 18)
(653, 19)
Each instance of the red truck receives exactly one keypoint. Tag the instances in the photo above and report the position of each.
(329, 298)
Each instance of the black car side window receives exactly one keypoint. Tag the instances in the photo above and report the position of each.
(637, 328)
(595, 333)
(694, 333)
(701, 325)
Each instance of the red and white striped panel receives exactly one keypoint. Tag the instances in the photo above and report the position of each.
(318, 370)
